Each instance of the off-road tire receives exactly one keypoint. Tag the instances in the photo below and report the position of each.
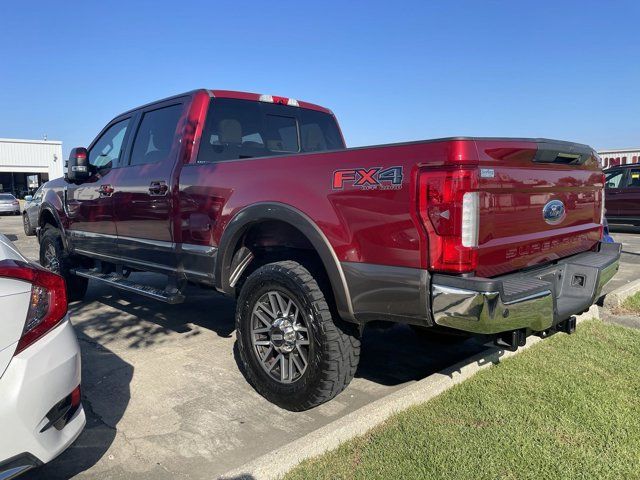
(334, 344)
(76, 286)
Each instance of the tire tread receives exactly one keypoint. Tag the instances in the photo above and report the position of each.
(341, 349)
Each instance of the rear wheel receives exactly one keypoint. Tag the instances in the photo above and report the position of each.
(293, 350)
(54, 258)
(26, 223)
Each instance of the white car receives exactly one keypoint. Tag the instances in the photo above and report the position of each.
(9, 204)
(40, 409)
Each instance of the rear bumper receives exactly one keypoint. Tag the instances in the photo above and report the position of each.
(536, 299)
(8, 208)
(36, 380)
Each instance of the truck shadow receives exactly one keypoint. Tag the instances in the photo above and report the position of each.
(395, 355)
(143, 322)
(390, 356)
(105, 397)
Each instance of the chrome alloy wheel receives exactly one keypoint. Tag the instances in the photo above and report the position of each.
(280, 336)
(51, 260)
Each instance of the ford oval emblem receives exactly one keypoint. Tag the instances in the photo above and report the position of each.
(553, 212)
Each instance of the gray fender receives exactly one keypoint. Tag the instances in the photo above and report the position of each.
(279, 211)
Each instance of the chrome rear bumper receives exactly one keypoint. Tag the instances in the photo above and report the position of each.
(535, 300)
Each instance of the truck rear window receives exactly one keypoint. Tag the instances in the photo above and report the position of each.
(237, 129)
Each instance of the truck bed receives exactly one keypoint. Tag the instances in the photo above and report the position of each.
(379, 224)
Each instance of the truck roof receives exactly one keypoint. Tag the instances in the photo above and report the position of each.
(256, 97)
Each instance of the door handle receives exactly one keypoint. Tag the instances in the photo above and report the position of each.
(106, 190)
(158, 187)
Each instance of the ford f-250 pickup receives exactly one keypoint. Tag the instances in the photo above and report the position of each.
(257, 197)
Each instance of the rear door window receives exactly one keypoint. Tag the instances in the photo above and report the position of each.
(155, 136)
(236, 129)
(634, 178)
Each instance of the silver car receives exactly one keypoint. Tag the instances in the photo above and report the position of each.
(9, 204)
(30, 213)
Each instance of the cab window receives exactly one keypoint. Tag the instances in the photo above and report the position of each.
(614, 179)
(155, 137)
(236, 129)
(106, 152)
(38, 195)
(634, 178)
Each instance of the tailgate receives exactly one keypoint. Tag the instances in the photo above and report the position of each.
(540, 201)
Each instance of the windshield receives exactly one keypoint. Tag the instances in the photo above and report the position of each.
(244, 129)
(6, 196)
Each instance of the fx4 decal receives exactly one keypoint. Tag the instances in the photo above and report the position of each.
(368, 178)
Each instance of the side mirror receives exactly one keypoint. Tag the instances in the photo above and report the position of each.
(28, 198)
(78, 165)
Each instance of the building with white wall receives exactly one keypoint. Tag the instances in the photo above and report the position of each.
(27, 164)
(621, 156)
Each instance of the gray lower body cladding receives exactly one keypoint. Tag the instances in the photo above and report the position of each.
(535, 299)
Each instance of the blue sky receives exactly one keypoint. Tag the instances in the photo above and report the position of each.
(391, 71)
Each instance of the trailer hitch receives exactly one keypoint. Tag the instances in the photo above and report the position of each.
(567, 326)
(512, 339)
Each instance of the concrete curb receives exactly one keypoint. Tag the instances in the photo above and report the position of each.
(617, 297)
(628, 321)
(278, 462)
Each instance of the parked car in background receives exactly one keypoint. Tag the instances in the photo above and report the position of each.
(622, 194)
(40, 409)
(30, 213)
(9, 204)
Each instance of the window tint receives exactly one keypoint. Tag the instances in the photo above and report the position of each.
(107, 150)
(634, 178)
(244, 129)
(613, 179)
(282, 134)
(154, 140)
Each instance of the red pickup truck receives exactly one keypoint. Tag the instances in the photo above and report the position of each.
(257, 197)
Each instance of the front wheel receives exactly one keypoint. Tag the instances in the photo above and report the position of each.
(293, 350)
(53, 257)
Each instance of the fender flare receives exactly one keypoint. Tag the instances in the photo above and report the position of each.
(258, 212)
(46, 206)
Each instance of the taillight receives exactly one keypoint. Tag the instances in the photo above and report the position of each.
(450, 209)
(48, 302)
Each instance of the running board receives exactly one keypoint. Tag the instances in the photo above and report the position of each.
(122, 283)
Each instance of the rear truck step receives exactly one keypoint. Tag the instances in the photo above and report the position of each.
(170, 294)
